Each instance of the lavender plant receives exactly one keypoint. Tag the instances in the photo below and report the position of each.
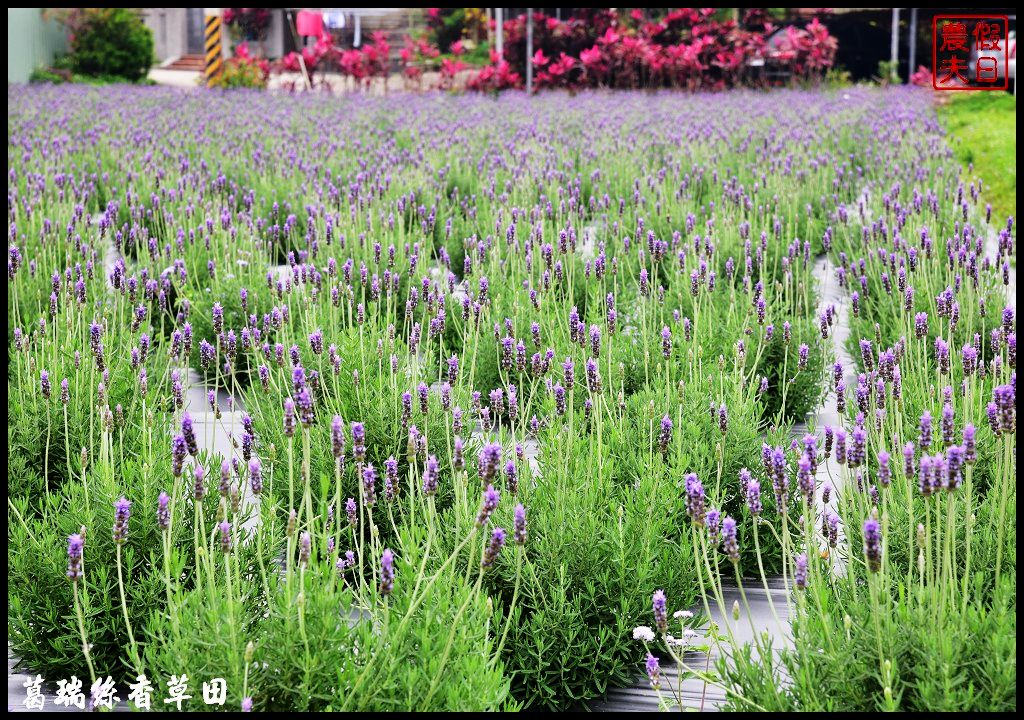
(421, 415)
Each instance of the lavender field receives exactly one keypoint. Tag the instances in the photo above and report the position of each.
(439, 402)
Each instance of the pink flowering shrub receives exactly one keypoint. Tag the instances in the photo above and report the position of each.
(922, 77)
(687, 48)
(496, 76)
(363, 64)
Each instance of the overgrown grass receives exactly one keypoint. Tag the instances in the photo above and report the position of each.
(983, 132)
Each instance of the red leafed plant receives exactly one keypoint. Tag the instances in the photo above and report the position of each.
(922, 77)
(416, 54)
(363, 64)
(686, 48)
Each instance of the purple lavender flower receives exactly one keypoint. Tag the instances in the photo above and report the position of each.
(199, 485)
(560, 404)
(925, 439)
(358, 441)
(970, 445)
(178, 452)
(713, 523)
(729, 540)
(225, 536)
(337, 436)
(925, 473)
(754, 497)
(593, 376)
(858, 447)
(873, 544)
(369, 486)
(352, 512)
(391, 476)
(75, 545)
(304, 401)
(779, 474)
(695, 499)
(665, 436)
(992, 411)
(884, 472)
(488, 504)
(519, 525)
(488, 461)
(908, 460)
(805, 477)
(942, 355)
(969, 357)
(218, 318)
(568, 374)
(122, 511)
(511, 476)
(256, 476)
(800, 572)
(225, 478)
(832, 528)
(1005, 399)
(953, 465)
(658, 605)
(493, 548)
(946, 424)
(920, 325)
(387, 572)
(188, 432)
(163, 512)
(458, 462)
(289, 417)
(653, 671)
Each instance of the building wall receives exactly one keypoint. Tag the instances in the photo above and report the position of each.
(170, 31)
(31, 42)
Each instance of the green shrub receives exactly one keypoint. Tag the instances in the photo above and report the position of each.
(49, 75)
(601, 542)
(111, 41)
(961, 659)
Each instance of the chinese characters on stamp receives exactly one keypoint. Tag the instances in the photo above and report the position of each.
(970, 52)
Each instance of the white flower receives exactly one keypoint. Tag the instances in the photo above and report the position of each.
(690, 633)
(644, 633)
(678, 614)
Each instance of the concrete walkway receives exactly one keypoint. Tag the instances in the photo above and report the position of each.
(175, 78)
(330, 82)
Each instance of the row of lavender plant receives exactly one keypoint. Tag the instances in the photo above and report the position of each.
(622, 288)
(903, 564)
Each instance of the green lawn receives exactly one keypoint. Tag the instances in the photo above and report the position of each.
(983, 131)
